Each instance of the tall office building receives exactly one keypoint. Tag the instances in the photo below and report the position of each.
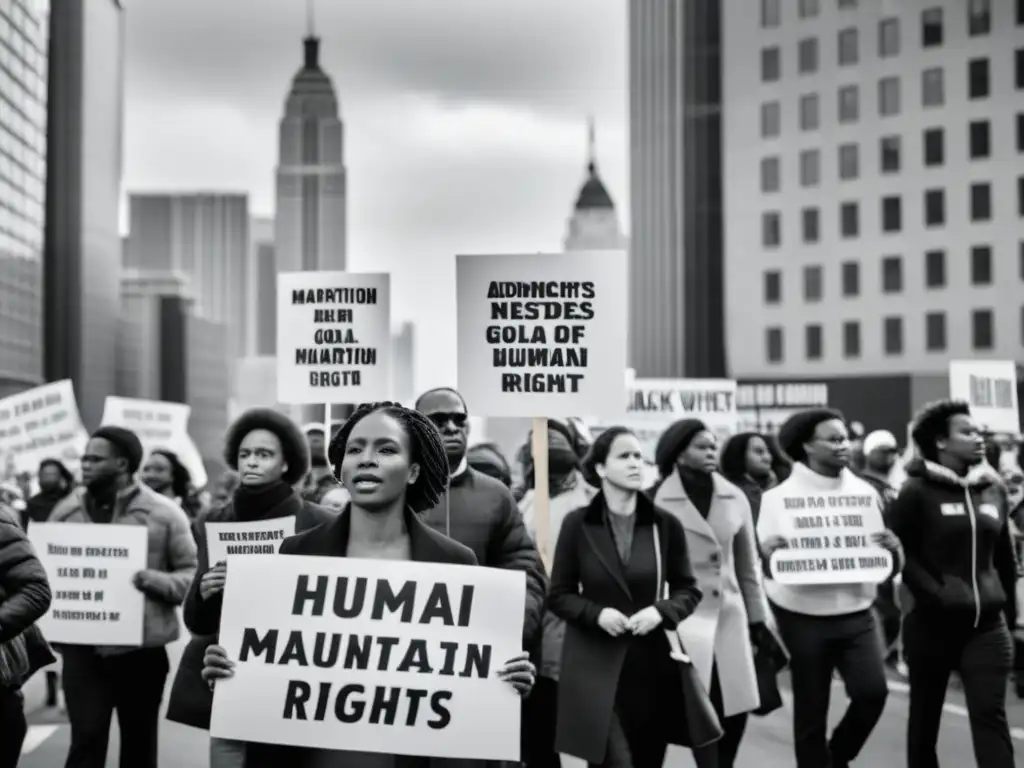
(593, 224)
(204, 236)
(82, 245)
(675, 117)
(262, 288)
(403, 364)
(23, 55)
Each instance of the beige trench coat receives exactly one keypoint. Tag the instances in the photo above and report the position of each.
(724, 557)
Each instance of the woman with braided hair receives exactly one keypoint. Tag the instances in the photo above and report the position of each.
(393, 463)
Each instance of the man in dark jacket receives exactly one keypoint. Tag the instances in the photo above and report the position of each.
(320, 480)
(55, 482)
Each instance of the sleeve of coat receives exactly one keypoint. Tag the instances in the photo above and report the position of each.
(1005, 562)
(683, 593)
(22, 579)
(564, 598)
(202, 617)
(511, 547)
(171, 586)
(747, 563)
(902, 513)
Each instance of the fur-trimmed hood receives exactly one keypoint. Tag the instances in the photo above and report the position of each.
(980, 475)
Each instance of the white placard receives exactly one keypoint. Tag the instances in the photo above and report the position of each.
(91, 568)
(40, 423)
(262, 537)
(436, 634)
(990, 386)
(333, 337)
(542, 335)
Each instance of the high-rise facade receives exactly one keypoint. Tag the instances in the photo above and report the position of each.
(593, 224)
(23, 65)
(676, 233)
(82, 245)
(262, 288)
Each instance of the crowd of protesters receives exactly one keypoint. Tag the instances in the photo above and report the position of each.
(600, 679)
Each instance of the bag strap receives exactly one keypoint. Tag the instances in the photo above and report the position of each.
(675, 645)
(659, 590)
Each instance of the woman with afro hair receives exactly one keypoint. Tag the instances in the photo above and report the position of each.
(270, 455)
(393, 464)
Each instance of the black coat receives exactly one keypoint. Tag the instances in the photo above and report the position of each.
(599, 671)
(24, 589)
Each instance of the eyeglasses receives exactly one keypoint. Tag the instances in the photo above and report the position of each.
(441, 420)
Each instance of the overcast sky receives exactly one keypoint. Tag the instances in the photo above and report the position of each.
(465, 123)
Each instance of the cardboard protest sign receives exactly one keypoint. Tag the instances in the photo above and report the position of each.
(333, 337)
(90, 568)
(542, 335)
(990, 386)
(41, 423)
(829, 541)
(262, 537)
(371, 656)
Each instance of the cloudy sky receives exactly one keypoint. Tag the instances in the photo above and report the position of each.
(465, 123)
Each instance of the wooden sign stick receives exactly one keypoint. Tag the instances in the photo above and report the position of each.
(542, 521)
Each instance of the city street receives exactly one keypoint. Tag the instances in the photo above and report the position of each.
(766, 745)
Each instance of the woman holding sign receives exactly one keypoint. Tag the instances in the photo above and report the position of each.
(393, 463)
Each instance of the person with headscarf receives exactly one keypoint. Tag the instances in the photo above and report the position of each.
(827, 628)
(165, 474)
(746, 462)
(55, 482)
(319, 480)
(488, 459)
(732, 618)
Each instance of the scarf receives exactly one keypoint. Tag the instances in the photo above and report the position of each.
(259, 503)
(39, 507)
(699, 487)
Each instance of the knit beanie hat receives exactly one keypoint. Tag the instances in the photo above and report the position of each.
(126, 442)
(675, 440)
(799, 428)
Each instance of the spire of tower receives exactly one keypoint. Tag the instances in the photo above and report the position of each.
(310, 18)
(311, 43)
(591, 144)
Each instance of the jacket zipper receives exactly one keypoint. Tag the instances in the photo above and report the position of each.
(974, 557)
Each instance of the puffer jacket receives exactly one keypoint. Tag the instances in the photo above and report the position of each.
(24, 589)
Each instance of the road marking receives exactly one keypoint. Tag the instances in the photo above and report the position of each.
(955, 709)
(37, 734)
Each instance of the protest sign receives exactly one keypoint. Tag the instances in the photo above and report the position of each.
(41, 423)
(990, 386)
(91, 568)
(764, 406)
(333, 337)
(158, 424)
(262, 537)
(542, 335)
(829, 540)
(371, 656)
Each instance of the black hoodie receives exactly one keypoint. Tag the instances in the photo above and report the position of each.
(957, 541)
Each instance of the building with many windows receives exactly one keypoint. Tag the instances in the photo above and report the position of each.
(874, 187)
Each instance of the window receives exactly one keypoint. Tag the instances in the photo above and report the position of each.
(1020, 13)
(934, 146)
(888, 38)
(1020, 128)
(849, 104)
(813, 283)
(848, 46)
(846, 5)
(851, 339)
(807, 56)
(893, 335)
(935, 331)
(813, 341)
(1018, 66)
(981, 202)
(935, 269)
(983, 330)
(770, 174)
(771, 64)
(892, 214)
(771, 229)
(931, 27)
(981, 265)
(811, 225)
(934, 207)
(892, 274)
(809, 112)
(849, 161)
(772, 286)
(808, 8)
(979, 17)
(810, 168)
(771, 119)
(769, 14)
(933, 88)
(849, 220)
(889, 96)
(851, 278)
(1020, 196)
(977, 78)
(889, 154)
(773, 345)
(980, 139)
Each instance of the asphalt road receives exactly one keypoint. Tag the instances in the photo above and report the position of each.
(767, 743)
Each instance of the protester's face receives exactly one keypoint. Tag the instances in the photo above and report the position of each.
(624, 467)
(1014, 479)
(261, 458)
(100, 463)
(882, 460)
(964, 442)
(157, 472)
(446, 411)
(830, 445)
(50, 478)
(562, 457)
(316, 442)
(377, 466)
(701, 454)
(758, 459)
(223, 490)
(335, 499)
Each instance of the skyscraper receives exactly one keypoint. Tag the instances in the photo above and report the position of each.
(82, 246)
(677, 325)
(262, 288)
(594, 224)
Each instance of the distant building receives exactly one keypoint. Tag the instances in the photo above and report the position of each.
(594, 224)
(262, 288)
(403, 364)
(82, 244)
